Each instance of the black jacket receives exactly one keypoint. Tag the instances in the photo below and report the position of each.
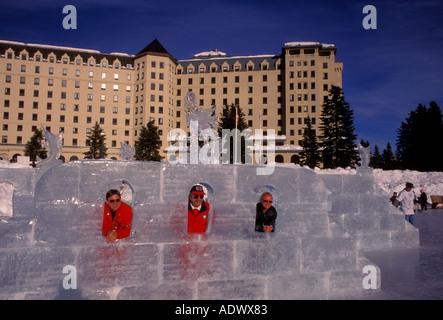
(265, 218)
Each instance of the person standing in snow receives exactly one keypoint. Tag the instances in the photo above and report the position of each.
(117, 217)
(406, 198)
(266, 214)
(423, 200)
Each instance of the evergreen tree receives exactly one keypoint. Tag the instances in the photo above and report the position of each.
(33, 147)
(97, 147)
(376, 159)
(148, 143)
(227, 120)
(417, 135)
(310, 155)
(337, 140)
(388, 157)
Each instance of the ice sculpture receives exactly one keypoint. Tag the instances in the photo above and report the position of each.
(205, 118)
(365, 156)
(126, 151)
(54, 143)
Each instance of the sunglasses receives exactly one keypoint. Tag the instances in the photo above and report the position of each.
(196, 196)
(112, 201)
(270, 201)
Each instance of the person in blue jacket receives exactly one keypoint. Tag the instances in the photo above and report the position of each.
(266, 214)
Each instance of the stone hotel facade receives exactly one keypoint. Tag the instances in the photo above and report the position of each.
(67, 90)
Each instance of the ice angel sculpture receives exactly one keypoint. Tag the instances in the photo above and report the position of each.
(205, 118)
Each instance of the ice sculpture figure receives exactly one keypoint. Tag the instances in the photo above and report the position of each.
(54, 143)
(205, 118)
(126, 151)
(365, 156)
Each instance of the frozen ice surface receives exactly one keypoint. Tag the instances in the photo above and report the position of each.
(325, 225)
(414, 273)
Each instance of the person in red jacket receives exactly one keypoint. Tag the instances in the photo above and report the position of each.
(117, 217)
(198, 210)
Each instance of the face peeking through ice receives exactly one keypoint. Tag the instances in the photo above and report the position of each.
(114, 202)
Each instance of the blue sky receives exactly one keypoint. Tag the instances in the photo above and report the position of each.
(387, 71)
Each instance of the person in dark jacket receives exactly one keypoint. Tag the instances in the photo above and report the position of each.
(266, 214)
(423, 200)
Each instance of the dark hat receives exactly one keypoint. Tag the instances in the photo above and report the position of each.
(197, 189)
(409, 185)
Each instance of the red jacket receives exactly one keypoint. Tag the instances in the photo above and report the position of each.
(198, 220)
(121, 223)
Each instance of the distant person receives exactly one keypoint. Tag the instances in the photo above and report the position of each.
(266, 214)
(198, 210)
(117, 217)
(423, 200)
(394, 200)
(406, 198)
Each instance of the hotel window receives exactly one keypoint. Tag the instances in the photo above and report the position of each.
(64, 71)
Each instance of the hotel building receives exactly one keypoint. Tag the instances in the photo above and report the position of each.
(68, 90)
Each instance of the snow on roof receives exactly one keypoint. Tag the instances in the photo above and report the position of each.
(210, 54)
(309, 44)
(47, 46)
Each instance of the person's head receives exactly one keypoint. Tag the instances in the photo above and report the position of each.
(266, 200)
(409, 186)
(113, 199)
(395, 193)
(196, 195)
(422, 190)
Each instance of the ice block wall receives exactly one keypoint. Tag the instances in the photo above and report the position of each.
(314, 254)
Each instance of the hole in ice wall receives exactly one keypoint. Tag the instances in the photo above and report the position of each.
(126, 191)
(271, 190)
(6, 203)
(201, 222)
